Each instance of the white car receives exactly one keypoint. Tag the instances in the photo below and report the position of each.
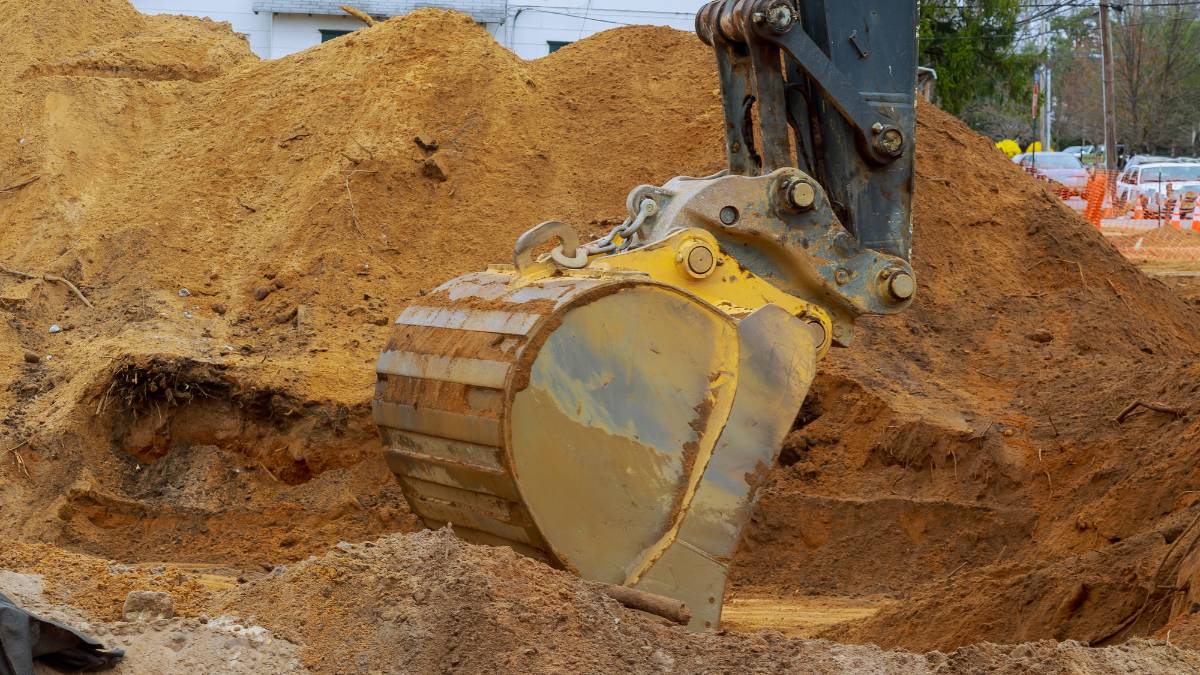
(1060, 167)
(1161, 184)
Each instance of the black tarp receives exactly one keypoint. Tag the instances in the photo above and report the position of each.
(25, 637)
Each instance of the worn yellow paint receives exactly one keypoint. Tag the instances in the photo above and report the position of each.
(731, 288)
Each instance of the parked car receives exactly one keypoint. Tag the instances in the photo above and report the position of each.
(1080, 150)
(1160, 184)
(1060, 167)
(1138, 160)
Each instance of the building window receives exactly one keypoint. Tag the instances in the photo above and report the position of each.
(556, 45)
(327, 35)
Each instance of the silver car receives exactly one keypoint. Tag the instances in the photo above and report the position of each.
(1160, 184)
(1061, 167)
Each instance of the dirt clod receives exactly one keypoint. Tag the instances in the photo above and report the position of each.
(147, 606)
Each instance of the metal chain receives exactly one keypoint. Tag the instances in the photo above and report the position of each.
(628, 232)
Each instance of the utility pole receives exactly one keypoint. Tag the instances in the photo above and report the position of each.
(1044, 124)
(1110, 94)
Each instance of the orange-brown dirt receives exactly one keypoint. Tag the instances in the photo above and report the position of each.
(246, 230)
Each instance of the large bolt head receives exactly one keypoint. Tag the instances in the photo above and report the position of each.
(891, 141)
(697, 257)
(817, 332)
(801, 194)
(780, 16)
(700, 260)
(902, 286)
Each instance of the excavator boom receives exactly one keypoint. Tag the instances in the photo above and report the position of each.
(611, 407)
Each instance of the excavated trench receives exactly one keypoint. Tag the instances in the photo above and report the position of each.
(205, 468)
(156, 407)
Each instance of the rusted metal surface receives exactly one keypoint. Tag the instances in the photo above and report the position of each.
(803, 251)
(776, 367)
(849, 72)
(620, 422)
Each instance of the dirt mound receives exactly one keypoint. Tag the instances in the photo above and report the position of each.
(247, 239)
(974, 434)
(109, 38)
(177, 645)
(246, 230)
(430, 601)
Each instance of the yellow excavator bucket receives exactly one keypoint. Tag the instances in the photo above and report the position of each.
(608, 424)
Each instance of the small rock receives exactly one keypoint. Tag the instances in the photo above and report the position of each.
(55, 328)
(30, 357)
(1009, 433)
(432, 168)
(219, 308)
(261, 292)
(1042, 335)
(187, 314)
(148, 605)
(426, 142)
(285, 315)
(183, 293)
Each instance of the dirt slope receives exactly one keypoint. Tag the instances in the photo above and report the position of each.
(247, 229)
(969, 443)
(428, 602)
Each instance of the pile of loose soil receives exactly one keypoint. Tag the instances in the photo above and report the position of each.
(161, 645)
(431, 602)
(964, 455)
(245, 230)
(246, 239)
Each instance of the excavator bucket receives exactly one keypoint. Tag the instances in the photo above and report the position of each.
(611, 407)
(606, 424)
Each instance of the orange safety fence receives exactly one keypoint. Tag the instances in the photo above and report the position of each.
(1164, 231)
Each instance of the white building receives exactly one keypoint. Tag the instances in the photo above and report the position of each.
(531, 28)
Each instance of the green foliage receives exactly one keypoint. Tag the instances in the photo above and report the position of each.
(972, 46)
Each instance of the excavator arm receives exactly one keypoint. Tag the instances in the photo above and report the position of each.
(839, 106)
(611, 407)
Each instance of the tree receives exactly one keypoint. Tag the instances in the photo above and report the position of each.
(1075, 61)
(972, 44)
(1156, 69)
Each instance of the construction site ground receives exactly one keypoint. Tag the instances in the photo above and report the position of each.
(201, 254)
